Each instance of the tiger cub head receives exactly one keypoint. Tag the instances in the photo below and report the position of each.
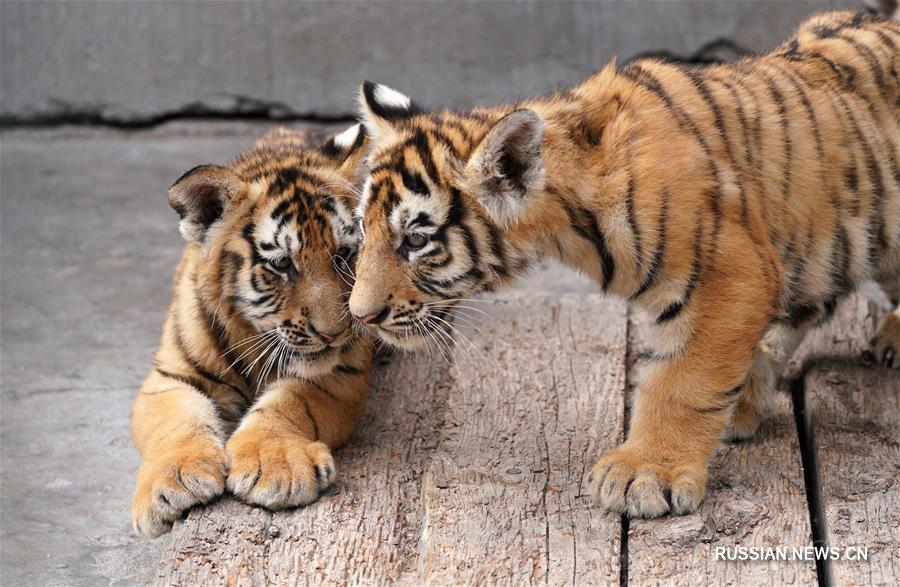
(275, 242)
(443, 192)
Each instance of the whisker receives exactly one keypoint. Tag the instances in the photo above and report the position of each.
(456, 331)
(423, 330)
(246, 340)
(249, 369)
(255, 347)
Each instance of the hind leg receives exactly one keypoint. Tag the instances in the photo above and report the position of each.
(886, 342)
(757, 393)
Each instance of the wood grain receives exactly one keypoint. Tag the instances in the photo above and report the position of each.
(363, 532)
(464, 474)
(473, 471)
(756, 497)
(536, 399)
(855, 413)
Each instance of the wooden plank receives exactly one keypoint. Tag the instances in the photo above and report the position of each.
(464, 474)
(855, 413)
(536, 398)
(362, 532)
(756, 498)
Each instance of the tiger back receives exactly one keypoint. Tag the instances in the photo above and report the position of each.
(736, 203)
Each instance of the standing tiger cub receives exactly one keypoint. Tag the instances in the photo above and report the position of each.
(257, 334)
(733, 202)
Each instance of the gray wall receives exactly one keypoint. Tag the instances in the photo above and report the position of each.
(132, 61)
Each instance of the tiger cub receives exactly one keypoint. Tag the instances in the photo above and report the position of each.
(257, 336)
(735, 203)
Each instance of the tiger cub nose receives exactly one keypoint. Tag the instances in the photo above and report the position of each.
(325, 337)
(375, 317)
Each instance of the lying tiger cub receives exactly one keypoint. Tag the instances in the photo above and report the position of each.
(729, 201)
(258, 318)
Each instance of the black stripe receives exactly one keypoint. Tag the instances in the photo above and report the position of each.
(423, 149)
(652, 273)
(646, 79)
(787, 162)
(789, 76)
(413, 182)
(798, 265)
(840, 260)
(868, 56)
(851, 182)
(456, 218)
(280, 209)
(845, 73)
(718, 119)
(675, 308)
(632, 222)
(185, 379)
(348, 369)
(219, 335)
(498, 249)
(457, 126)
(742, 119)
(437, 136)
(828, 31)
(874, 169)
(195, 364)
(585, 225)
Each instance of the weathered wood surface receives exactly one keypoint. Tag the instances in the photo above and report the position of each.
(473, 472)
(855, 413)
(534, 401)
(365, 531)
(756, 497)
(463, 474)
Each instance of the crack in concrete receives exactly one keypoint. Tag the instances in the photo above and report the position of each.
(217, 107)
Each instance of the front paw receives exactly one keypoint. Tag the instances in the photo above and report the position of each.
(629, 480)
(277, 471)
(174, 479)
(886, 342)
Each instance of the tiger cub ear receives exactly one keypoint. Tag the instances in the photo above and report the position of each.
(200, 197)
(382, 107)
(506, 167)
(347, 148)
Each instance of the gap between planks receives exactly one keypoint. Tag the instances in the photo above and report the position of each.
(474, 473)
(458, 474)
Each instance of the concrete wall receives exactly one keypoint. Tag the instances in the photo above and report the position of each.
(133, 61)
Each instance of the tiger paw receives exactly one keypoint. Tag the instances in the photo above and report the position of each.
(277, 471)
(886, 342)
(744, 423)
(173, 480)
(626, 481)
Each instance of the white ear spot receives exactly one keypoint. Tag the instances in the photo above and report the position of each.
(391, 98)
(346, 139)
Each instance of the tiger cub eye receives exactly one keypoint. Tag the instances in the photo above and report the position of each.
(281, 263)
(416, 241)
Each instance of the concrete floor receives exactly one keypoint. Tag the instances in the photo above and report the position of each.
(88, 249)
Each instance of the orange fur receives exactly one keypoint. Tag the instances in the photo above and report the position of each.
(257, 334)
(731, 201)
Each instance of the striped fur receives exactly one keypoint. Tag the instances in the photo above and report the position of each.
(735, 203)
(257, 333)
